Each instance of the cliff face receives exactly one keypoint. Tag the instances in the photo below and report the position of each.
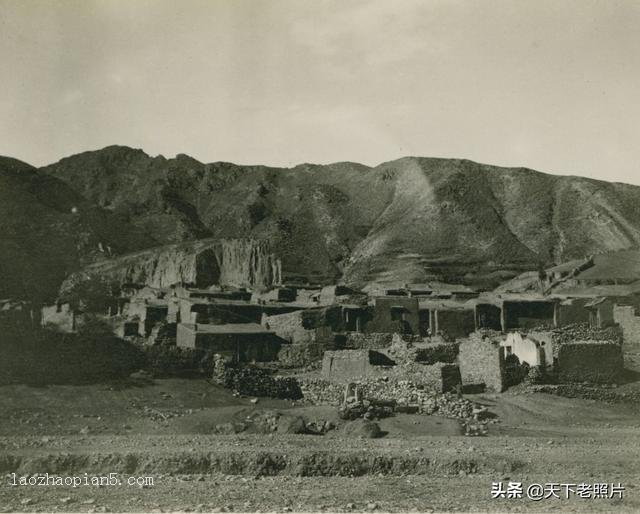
(238, 263)
(247, 263)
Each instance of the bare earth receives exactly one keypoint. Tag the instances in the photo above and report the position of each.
(423, 463)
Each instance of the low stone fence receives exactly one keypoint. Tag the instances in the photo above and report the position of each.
(253, 381)
(590, 361)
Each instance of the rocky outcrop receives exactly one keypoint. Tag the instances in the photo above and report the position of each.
(203, 263)
(245, 262)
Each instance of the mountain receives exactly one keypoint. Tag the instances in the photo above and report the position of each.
(412, 219)
(48, 230)
(409, 220)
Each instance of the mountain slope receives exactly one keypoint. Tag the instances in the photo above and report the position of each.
(48, 230)
(412, 219)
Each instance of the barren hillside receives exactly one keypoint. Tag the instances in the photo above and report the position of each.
(409, 219)
(412, 219)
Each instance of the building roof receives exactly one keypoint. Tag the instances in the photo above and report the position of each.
(595, 302)
(568, 266)
(620, 290)
(445, 305)
(232, 328)
(621, 265)
(500, 298)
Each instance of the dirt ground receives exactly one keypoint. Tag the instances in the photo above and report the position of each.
(423, 463)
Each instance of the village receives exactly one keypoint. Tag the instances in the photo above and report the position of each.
(207, 371)
(572, 323)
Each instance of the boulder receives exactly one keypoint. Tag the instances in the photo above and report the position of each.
(362, 429)
(291, 425)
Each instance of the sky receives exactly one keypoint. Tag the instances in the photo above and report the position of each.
(547, 84)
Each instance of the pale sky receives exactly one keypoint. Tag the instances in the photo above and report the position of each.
(551, 85)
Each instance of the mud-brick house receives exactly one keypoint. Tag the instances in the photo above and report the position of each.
(600, 312)
(572, 310)
(240, 342)
(217, 293)
(459, 292)
(218, 312)
(448, 318)
(151, 314)
(395, 314)
(514, 312)
(277, 294)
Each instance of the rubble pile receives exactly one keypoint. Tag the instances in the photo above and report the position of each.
(433, 352)
(402, 349)
(366, 409)
(270, 421)
(251, 381)
(318, 391)
(405, 395)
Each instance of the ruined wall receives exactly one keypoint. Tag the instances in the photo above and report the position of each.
(481, 361)
(227, 262)
(626, 317)
(590, 361)
(347, 364)
(527, 349)
(290, 327)
(365, 365)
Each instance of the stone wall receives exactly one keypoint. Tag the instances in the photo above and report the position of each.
(440, 376)
(371, 341)
(481, 361)
(301, 355)
(432, 352)
(361, 365)
(590, 361)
